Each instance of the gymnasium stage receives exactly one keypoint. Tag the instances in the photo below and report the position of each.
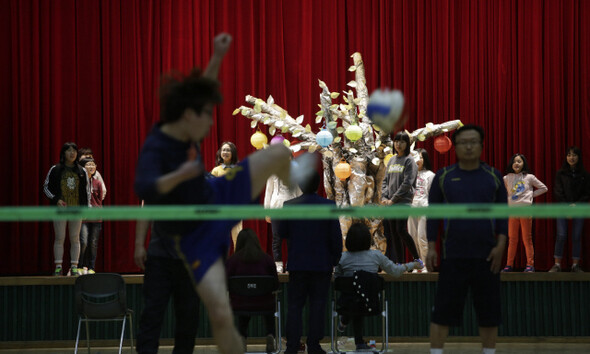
(540, 310)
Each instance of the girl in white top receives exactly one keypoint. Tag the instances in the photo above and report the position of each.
(522, 187)
(417, 225)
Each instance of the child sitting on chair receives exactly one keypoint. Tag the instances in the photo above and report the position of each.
(359, 257)
(250, 259)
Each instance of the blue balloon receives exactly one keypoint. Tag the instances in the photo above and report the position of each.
(324, 138)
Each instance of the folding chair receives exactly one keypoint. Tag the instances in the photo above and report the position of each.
(349, 286)
(102, 297)
(257, 285)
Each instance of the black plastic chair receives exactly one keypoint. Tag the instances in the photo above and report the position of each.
(348, 286)
(257, 285)
(102, 297)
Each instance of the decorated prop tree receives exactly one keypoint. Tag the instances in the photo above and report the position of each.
(354, 151)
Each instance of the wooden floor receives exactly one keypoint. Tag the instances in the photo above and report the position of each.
(395, 348)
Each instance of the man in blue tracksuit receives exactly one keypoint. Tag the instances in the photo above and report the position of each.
(472, 249)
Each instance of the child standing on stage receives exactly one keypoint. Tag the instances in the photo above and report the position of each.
(90, 231)
(572, 186)
(86, 153)
(66, 185)
(398, 188)
(417, 225)
(522, 187)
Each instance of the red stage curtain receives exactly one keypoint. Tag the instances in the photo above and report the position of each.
(88, 71)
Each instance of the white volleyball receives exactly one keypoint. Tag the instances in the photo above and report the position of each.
(385, 108)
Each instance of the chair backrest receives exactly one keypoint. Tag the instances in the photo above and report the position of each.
(100, 295)
(361, 293)
(252, 285)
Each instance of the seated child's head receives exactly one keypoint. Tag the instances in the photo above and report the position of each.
(358, 238)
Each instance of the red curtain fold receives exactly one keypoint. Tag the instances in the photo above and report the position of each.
(88, 71)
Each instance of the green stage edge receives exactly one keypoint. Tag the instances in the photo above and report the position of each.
(220, 212)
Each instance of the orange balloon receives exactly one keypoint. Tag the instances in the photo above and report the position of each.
(342, 170)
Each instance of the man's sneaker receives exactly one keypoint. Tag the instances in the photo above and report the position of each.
(316, 351)
(301, 348)
(270, 343)
(57, 271)
(341, 326)
(529, 269)
(75, 271)
(556, 268)
(507, 269)
(90, 271)
(576, 268)
(363, 346)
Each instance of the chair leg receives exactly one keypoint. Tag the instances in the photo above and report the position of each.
(278, 340)
(131, 329)
(122, 334)
(386, 326)
(88, 335)
(333, 334)
(78, 335)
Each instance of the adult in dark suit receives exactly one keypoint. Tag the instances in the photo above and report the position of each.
(315, 247)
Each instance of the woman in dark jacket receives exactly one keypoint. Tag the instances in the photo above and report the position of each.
(572, 185)
(66, 185)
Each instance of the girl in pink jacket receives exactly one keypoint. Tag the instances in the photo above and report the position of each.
(522, 187)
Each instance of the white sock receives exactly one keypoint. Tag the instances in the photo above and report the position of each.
(489, 351)
(436, 351)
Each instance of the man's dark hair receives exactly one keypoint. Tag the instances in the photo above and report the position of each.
(248, 247)
(358, 238)
(466, 127)
(425, 159)
(234, 153)
(404, 137)
(579, 166)
(311, 185)
(64, 148)
(193, 91)
(525, 164)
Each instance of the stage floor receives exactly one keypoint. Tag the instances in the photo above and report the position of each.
(397, 348)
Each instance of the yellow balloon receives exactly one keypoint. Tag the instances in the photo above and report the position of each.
(258, 140)
(353, 133)
(387, 158)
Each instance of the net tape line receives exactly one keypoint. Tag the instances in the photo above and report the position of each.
(244, 212)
